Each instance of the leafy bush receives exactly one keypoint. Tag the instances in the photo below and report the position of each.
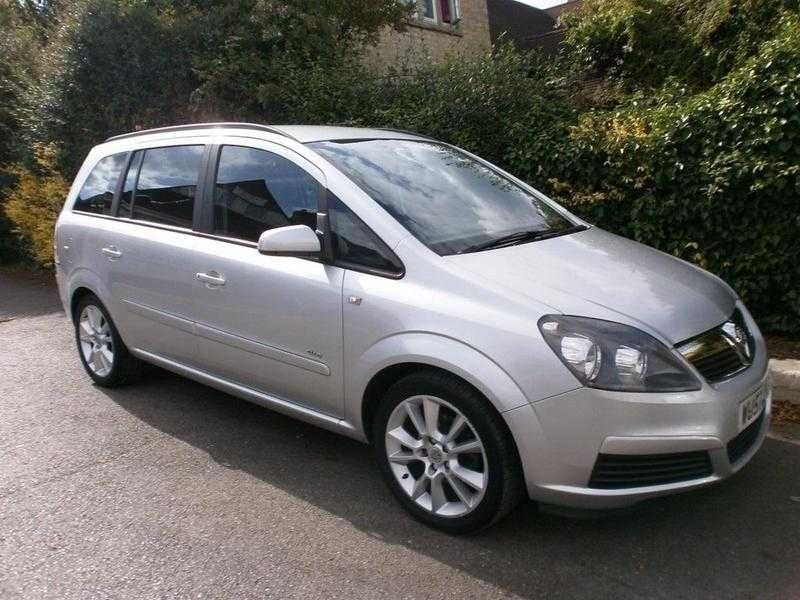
(114, 67)
(249, 51)
(32, 204)
(122, 65)
(19, 47)
(693, 147)
(634, 42)
(712, 177)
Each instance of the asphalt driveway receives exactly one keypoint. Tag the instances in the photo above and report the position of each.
(171, 489)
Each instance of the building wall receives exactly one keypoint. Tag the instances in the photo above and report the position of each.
(427, 42)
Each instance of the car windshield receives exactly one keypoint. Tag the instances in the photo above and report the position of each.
(449, 201)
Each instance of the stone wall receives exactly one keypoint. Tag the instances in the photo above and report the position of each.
(424, 41)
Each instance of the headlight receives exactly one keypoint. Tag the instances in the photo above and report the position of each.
(612, 356)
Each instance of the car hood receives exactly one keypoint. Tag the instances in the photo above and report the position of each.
(595, 273)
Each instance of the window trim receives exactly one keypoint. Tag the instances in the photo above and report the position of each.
(348, 266)
(135, 162)
(121, 183)
(174, 228)
(205, 217)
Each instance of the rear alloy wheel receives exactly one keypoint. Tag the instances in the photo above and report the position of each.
(95, 340)
(103, 353)
(445, 453)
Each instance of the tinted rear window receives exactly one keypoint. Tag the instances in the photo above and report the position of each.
(97, 192)
(167, 183)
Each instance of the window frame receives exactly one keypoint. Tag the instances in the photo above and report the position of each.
(203, 208)
(436, 21)
(205, 225)
(435, 17)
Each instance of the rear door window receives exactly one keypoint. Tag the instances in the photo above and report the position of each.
(166, 186)
(97, 193)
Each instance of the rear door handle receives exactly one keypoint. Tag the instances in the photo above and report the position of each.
(211, 279)
(111, 252)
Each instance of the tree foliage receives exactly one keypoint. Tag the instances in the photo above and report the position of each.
(34, 202)
(674, 122)
(712, 177)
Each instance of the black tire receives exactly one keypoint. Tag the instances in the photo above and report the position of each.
(505, 487)
(125, 368)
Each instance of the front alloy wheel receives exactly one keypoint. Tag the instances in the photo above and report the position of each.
(436, 456)
(446, 453)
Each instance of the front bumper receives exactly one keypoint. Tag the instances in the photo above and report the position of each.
(560, 438)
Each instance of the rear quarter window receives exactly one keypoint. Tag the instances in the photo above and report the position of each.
(97, 194)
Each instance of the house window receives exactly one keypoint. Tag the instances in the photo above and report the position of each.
(441, 12)
(428, 10)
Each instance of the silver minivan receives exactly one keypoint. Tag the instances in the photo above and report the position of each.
(403, 292)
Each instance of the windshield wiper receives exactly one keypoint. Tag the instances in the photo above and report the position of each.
(520, 237)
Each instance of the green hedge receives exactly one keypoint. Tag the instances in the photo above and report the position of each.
(689, 141)
(709, 175)
(713, 178)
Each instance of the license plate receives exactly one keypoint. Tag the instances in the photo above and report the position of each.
(750, 408)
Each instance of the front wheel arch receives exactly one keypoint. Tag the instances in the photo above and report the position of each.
(387, 377)
(505, 488)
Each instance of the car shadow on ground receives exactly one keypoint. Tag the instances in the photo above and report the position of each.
(714, 542)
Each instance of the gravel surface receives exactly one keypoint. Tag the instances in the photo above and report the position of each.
(785, 412)
(170, 489)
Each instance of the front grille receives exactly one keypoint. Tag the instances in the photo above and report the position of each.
(616, 471)
(720, 365)
(739, 445)
(720, 352)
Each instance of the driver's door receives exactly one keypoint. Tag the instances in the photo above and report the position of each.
(267, 322)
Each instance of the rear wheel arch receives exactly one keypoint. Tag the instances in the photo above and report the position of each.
(77, 295)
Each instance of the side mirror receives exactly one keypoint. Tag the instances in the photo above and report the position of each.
(293, 240)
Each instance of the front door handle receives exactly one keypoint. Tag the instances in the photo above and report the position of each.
(111, 252)
(211, 279)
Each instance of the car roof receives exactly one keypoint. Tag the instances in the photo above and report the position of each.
(299, 133)
(320, 133)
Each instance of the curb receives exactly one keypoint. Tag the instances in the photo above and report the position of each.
(785, 379)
